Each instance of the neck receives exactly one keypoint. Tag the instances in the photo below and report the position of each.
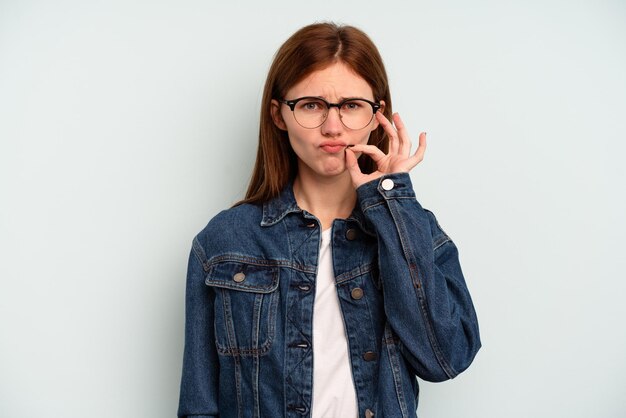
(327, 198)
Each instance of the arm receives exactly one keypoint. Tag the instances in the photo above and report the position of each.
(426, 300)
(199, 383)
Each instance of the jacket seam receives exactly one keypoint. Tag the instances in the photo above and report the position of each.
(257, 262)
(448, 370)
(393, 360)
(354, 273)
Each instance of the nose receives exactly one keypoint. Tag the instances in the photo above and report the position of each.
(332, 126)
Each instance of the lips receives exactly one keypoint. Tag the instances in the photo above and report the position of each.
(333, 146)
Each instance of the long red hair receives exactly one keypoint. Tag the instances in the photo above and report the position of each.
(312, 48)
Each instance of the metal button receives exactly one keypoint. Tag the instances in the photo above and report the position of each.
(356, 293)
(369, 356)
(311, 225)
(387, 184)
(239, 277)
(351, 234)
(299, 344)
(299, 408)
(369, 413)
(304, 287)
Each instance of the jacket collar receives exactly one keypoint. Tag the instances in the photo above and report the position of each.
(274, 210)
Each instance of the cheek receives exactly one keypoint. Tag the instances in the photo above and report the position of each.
(298, 142)
(365, 139)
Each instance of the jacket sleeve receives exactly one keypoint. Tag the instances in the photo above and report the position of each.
(426, 300)
(199, 382)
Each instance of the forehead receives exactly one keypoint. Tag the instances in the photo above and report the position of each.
(333, 82)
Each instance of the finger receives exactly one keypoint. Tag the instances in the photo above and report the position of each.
(353, 165)
(403, 136)
(358, 178)
(391, 133)
(421, 149)
(372, 150)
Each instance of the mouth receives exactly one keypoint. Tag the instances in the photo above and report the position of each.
(333, 147)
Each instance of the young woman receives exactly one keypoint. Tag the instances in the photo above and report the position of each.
(329, 288)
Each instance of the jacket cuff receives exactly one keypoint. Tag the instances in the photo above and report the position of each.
(388, 186)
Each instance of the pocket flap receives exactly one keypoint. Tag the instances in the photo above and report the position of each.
(243, 277)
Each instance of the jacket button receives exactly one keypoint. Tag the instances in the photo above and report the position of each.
(298, 408)
(369, 356)
(356, 293)
(387, 184)
(351, 234)
(299, 344)
(369, 413)
(239, 277)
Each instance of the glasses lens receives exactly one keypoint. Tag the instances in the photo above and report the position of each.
(310, 112)
(356, 114)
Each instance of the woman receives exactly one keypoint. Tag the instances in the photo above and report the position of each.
(329, 288)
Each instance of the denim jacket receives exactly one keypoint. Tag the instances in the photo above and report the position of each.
(249, 306)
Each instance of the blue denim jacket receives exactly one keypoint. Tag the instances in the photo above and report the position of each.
(249, 306)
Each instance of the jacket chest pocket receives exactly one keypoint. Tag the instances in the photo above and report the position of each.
(246, 300)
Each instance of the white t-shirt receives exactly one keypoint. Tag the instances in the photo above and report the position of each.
(333, 388)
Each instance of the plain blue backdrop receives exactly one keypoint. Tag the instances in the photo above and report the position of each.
(126, 125)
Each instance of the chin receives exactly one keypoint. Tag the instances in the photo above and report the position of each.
(334, 173)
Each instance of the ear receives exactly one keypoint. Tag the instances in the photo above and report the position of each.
(381, 110)
(277, 115)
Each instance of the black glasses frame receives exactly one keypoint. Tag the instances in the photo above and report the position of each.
(292, 106)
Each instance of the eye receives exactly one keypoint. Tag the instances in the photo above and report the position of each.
(352, 105)
(311, 105)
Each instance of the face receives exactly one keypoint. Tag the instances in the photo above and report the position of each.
(321, 151)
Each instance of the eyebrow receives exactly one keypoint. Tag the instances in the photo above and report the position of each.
(342, 98)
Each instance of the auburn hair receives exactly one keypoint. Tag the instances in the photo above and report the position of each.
(312, 48)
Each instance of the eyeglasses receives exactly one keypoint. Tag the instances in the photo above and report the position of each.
(312, 112)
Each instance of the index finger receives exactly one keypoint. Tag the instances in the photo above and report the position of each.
(391, 132)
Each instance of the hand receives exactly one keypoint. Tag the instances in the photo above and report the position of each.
(397, 160)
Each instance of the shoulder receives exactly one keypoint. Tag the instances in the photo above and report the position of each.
(231, 221)
(229, 230)
(242, 216)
